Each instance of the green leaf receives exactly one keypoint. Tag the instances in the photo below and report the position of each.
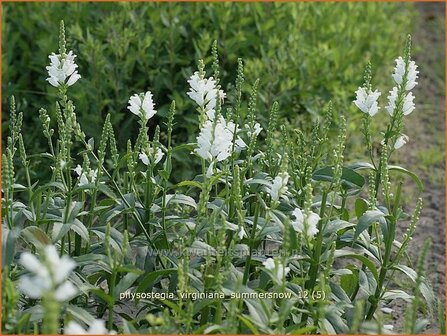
(188, 147)
(80, 229)
(333, 316)
(80, 314)
(361, 206)
(248, 324)
(349, 178)
(107, 191)
(102, 295)
(393, 294)
(189, 184)
(125, 283)
(22, 323)
(409, 173)
(203, 247)
(173, 306)
(259, 181)
(367, 262)
(34, 235)
(336, 225)
(200, 304)
(183, 199)
(74, 211)
(361, 165)
(128, 327)
(257, 313)
(41, 189)
(152, 277)
(366, 220)
(9, 238)
(116, 237)
(424, 287)
(349, 282)
(59, 231)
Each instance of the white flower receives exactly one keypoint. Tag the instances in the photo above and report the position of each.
(209, 171)
(85, 177)
(400, 141)
(277, 268)
(366, 101)
(142, 105)
(307, 226)
(408, 104)
(47, 276)
(279, 186)
(399, 72)
(255, 130)
(215, 141)
(392, 101)
(155, 155)
(388, 328)
(61, 68)
(205, 94)
(97, 327)
(241, 233)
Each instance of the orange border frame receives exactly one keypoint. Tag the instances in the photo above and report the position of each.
(217, 1)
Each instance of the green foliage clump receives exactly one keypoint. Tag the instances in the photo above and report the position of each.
(303, 53)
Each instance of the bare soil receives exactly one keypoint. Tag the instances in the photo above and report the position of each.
(425, 153)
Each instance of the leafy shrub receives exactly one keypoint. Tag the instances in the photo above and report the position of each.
(303, 53)
(292, 220)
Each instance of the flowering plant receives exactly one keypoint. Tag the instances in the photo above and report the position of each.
(286, 215)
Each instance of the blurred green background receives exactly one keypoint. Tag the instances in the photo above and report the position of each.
(304, 54)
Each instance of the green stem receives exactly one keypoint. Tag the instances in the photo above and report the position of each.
(112, 301)
(315, 265)
(252, 244)
(388, 248)
(318, 246)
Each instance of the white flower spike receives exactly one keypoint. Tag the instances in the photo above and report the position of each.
(47, 276)
(399, 72)
(306, 226)
(215, 141)
(408, 104)
(142, 105)
(204, 93)
(62, 70)
(366, 101)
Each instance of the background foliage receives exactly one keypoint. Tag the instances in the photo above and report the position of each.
(303, 53)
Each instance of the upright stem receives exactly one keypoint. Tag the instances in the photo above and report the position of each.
(252, 244)
(388, 248)
(112, 302)
(313, 272)
(318, 246)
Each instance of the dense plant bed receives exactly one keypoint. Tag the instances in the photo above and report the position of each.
(268, 236)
